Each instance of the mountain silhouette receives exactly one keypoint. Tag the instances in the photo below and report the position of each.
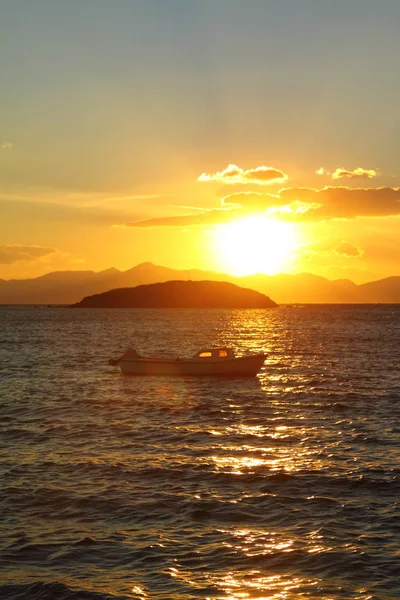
(69, 287)
(179, 294)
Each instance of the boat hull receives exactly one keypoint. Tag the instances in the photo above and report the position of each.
(246, 366)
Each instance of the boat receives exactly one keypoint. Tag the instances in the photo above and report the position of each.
(217, 361)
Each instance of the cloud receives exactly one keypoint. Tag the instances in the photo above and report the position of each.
(331, 247)
(341, 173)
(321, 171)
(206, 217)
(186, 207)
(135, 197)
(5, 145)
(233, 174)
(15, 253)
(295, 204)
(251, 200)
(347, 249)
(46, 204)
(235, 206)
(81, 199)
(320, 204)
(343, 202)
(358, 173)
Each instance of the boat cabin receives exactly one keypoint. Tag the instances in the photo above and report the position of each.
(213, 354)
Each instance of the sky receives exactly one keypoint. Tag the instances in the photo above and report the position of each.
(238, 136)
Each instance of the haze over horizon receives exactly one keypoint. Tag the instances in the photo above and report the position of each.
(232, 137)
(66, 287)
(149, 265)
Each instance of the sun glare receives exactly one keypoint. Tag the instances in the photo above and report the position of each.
(255, 245)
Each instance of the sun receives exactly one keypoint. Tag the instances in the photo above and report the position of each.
(255, 244)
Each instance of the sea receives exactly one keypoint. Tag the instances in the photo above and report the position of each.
(284, 486)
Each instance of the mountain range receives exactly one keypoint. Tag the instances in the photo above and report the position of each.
(68, 287)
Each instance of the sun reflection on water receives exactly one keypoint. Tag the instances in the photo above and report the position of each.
(255, 542)
(259, 443)
(250, 584)
(239, 460)
(254, 585)
(139, 592)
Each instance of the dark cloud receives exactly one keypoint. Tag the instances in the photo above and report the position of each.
(10, 254)
(233, 174)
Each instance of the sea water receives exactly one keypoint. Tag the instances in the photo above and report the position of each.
(284, 486)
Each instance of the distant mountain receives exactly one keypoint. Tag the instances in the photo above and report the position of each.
(382, 291)
(68, 287)
(304, 288)
(179, 294)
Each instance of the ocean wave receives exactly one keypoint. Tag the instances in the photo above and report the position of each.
(43, 590)
(166, 488)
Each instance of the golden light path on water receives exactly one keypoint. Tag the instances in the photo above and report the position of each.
(251, 585)
(279, 448)
(257, 543)
(280, 487)
(271, 453)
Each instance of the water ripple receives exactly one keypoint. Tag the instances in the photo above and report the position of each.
(286, 486)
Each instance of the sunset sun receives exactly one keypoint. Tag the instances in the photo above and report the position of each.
(255, 244)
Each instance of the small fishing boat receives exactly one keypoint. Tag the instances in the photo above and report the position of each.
(217, 361)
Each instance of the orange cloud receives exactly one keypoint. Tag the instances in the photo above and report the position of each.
(347, 249)
(206, 217)
(344, 202)
(321, 171)
(15, 253)
(5, 145)
(251, 200)
(298, 204)
(358, 173)
(331, 246)
(326, 203)
(233, 174)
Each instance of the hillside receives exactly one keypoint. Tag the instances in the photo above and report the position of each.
(179, 294)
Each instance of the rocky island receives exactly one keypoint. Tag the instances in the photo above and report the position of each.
(179, 294)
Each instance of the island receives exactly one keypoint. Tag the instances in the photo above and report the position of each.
(179, 294)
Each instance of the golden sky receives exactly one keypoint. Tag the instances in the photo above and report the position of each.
(168, 132)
